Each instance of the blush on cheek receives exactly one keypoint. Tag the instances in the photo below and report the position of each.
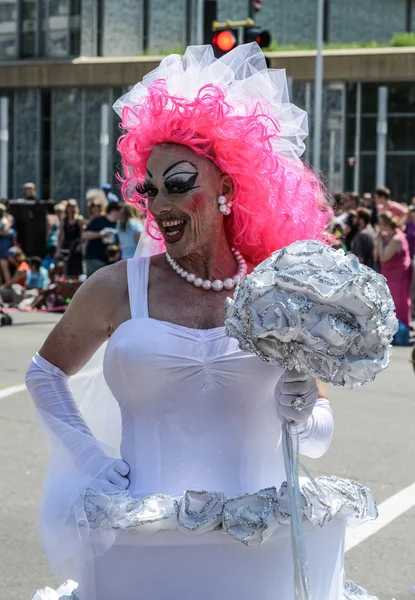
(198, 202)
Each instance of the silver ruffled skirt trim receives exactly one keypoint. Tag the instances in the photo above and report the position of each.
(351, 592)
(250, 519)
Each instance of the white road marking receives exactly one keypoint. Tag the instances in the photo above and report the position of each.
(16, 389)
(389, 510)
(13, 389)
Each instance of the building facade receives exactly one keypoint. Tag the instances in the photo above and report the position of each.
(55, 99)
(59, 29)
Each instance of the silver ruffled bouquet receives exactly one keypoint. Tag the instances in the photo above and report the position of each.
(318, 310)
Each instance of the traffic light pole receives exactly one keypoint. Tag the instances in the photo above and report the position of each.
(318, 88)
(200, 22)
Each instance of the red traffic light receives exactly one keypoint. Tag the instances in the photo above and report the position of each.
(224, 40)
(256, 34)
(263, 39)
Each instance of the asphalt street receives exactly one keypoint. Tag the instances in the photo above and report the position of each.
(374, 443)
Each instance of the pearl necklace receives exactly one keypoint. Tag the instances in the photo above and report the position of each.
(218, 284)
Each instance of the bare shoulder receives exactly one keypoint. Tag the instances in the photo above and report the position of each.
(158, 261)
(105, 287)
(96, 310)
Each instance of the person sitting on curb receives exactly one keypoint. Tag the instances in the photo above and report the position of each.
(12, 291)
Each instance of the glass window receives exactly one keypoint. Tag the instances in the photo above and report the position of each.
(367, 172)
(75, 27)
(400, 177)
(351, 98)
(58, 28)
(8, 28)
(401, 134)
(350, 134)
(368, 134)
(370, 98)
(28, 28)
(401, 97)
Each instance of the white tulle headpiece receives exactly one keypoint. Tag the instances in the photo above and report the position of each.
(247, 81)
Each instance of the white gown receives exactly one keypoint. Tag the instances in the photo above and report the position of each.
(199, 414)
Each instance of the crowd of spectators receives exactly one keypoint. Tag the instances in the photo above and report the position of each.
(381, 233)
(75, 247)
(378, 230)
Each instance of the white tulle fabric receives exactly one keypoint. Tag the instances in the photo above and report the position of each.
(244, 75)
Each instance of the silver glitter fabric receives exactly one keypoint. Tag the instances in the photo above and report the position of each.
(120, 511)
(351, 592)
(67, 591)
(315, 309)
(200, 511)
(355, 592)
(249, 519)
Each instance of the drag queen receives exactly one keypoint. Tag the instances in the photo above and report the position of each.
(190, 501)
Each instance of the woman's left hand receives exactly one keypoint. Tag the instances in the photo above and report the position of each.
(298, 389)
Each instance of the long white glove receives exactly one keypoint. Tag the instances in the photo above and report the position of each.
(297, 389)
(57, 409)
(312, 426)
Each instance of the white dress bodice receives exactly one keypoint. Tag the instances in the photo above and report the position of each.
(197, 413)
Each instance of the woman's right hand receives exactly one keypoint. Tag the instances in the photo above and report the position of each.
(117, 473)
(114, 475)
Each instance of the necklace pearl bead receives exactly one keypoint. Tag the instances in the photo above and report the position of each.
(217, 285)
(228, 284)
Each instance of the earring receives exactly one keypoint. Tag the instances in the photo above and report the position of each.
(224, 206)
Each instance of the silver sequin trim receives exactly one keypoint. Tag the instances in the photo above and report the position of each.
(351, 592)
(315, 309)
(250, 518)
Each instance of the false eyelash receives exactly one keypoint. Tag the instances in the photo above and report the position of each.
(144, 188)
(177, 184)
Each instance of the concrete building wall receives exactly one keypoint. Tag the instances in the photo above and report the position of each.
(366, 20)
(25, 151)
(289, 22)
(352, 21)
(123, 27)
(232, 9)
(89, 28)
(167, 27)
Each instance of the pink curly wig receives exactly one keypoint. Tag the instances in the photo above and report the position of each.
(276, 201)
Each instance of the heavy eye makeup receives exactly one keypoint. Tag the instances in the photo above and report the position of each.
(181, 183)
(147, 189)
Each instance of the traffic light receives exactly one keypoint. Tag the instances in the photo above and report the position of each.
(223, 41)
(256, 34)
